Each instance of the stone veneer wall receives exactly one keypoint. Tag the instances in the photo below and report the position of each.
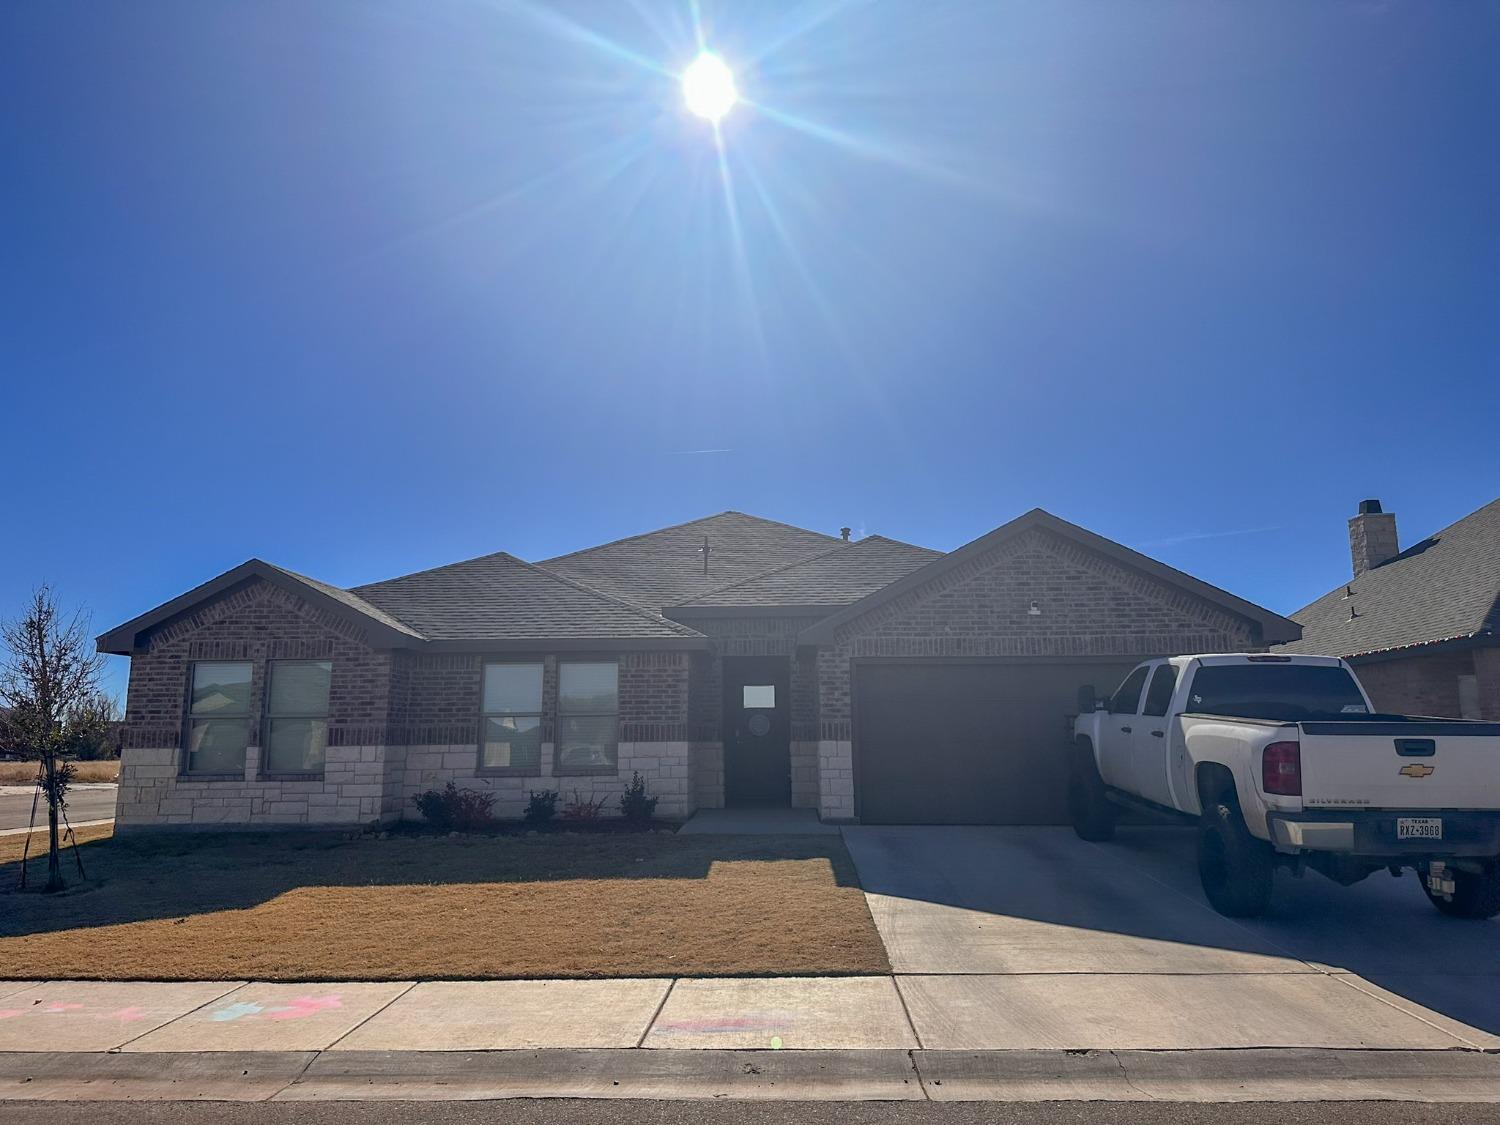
(664, 766)
(1090, 606)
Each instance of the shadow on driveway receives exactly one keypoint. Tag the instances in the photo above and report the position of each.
(1039, 900)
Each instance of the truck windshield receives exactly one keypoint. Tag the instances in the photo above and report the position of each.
(1284, 692)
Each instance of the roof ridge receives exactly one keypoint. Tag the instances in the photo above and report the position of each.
(429, 570)
(676, 527)
(701, 594)
(899, 543)
(639, 611)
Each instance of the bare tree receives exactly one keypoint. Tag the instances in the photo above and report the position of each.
(50, 672)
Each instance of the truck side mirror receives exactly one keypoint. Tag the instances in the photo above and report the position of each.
(1087, 700)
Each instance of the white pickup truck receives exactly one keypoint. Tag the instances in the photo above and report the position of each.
(1284, 763)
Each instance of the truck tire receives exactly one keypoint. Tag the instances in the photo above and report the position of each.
(1235, 868)
(1088, 805)
(1475, 895)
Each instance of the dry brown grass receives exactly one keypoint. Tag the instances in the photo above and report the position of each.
(311, 908)
(24, 773)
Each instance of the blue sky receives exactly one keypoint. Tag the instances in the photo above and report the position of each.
(363, 287)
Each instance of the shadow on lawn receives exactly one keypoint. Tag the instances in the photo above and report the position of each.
(141, 879)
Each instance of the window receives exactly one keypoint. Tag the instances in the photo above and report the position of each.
(297, 716)
(587, 716)
(760, 695)
(1127, 696)
(1283, 692)
(218, 718)
(1159, 694)
(511, 719)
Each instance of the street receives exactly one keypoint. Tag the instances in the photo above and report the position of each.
(85, 803)
(742, 1113)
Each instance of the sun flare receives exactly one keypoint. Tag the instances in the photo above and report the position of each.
(708, 87)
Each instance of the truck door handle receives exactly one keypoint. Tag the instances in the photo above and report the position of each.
(1158, 734)
(1125, 730)
(1416, 747)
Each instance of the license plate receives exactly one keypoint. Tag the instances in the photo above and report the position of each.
(1419, 828)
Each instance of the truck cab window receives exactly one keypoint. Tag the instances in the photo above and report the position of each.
(1127, 697)
(1159, 695)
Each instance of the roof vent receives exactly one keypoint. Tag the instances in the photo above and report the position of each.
(844, 533)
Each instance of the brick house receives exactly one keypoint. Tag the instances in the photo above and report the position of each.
(1419, 625)
(731, 659)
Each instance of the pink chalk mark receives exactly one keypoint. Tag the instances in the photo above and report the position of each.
(128, 1015)
(10, 1013)
(58, 1007)
(305, 1006)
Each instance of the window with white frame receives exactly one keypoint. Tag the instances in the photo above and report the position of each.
(588, 705)
(218, 726)
(296, 739)
(511, 718)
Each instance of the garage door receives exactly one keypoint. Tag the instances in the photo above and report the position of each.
(981, 743)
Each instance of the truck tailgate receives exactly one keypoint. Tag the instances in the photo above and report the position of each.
(1432, 764)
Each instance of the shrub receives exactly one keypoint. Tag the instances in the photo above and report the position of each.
(455, 810)
(541, 807)
(634, 804)
(583, 808)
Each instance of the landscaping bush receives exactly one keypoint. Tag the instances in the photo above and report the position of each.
(583, 808)
(455, 810)
(634, 803)
(541, 807)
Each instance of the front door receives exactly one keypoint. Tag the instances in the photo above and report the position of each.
(757, 731)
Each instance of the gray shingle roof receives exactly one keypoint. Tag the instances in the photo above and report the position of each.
(353, 601)
(840, 575)
(501, 597)
(1443, 588)
(661, 568)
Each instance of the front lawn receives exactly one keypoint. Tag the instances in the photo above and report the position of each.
(320, 907)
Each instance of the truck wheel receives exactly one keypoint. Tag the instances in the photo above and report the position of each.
(1092, 814)
(1236, 869)
(1475, 894)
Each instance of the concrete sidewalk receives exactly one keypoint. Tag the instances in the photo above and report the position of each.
(1014, 1012)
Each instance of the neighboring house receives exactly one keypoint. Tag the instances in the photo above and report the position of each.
(728, 660)
(1420, 625)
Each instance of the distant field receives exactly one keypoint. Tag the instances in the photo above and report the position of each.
(24, 773)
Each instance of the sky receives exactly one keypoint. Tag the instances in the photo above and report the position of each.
(365, 287)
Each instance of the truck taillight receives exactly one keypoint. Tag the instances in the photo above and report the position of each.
(1281, 769)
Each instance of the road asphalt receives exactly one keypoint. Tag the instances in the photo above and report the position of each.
(85, 803)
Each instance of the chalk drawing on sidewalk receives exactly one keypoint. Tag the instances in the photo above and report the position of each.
(299, 1008)
(235, 1011)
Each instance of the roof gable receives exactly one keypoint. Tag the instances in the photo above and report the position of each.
(500, 597)
(1447, 587)
(838, 576)
(663, 567)
(1273, 626)
(382, 628)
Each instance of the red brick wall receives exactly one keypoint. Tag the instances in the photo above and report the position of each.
(257, 622)
(1424, 684)
(1090, 606)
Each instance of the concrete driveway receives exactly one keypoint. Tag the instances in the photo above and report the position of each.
(1029, 937)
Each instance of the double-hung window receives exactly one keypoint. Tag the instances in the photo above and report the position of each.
(511, 719)
(218, 728)
(297, 716)
(588, 705)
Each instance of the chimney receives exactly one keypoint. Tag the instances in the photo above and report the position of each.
(1372, 537)
(844, 533)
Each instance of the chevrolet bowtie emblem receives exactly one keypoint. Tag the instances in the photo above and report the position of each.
(1416, 769)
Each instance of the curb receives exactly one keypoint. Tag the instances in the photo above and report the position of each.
(1256, 1075)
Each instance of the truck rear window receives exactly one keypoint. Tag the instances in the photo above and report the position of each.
(1283, 692)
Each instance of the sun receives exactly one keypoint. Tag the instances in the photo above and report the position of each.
(708, 87)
